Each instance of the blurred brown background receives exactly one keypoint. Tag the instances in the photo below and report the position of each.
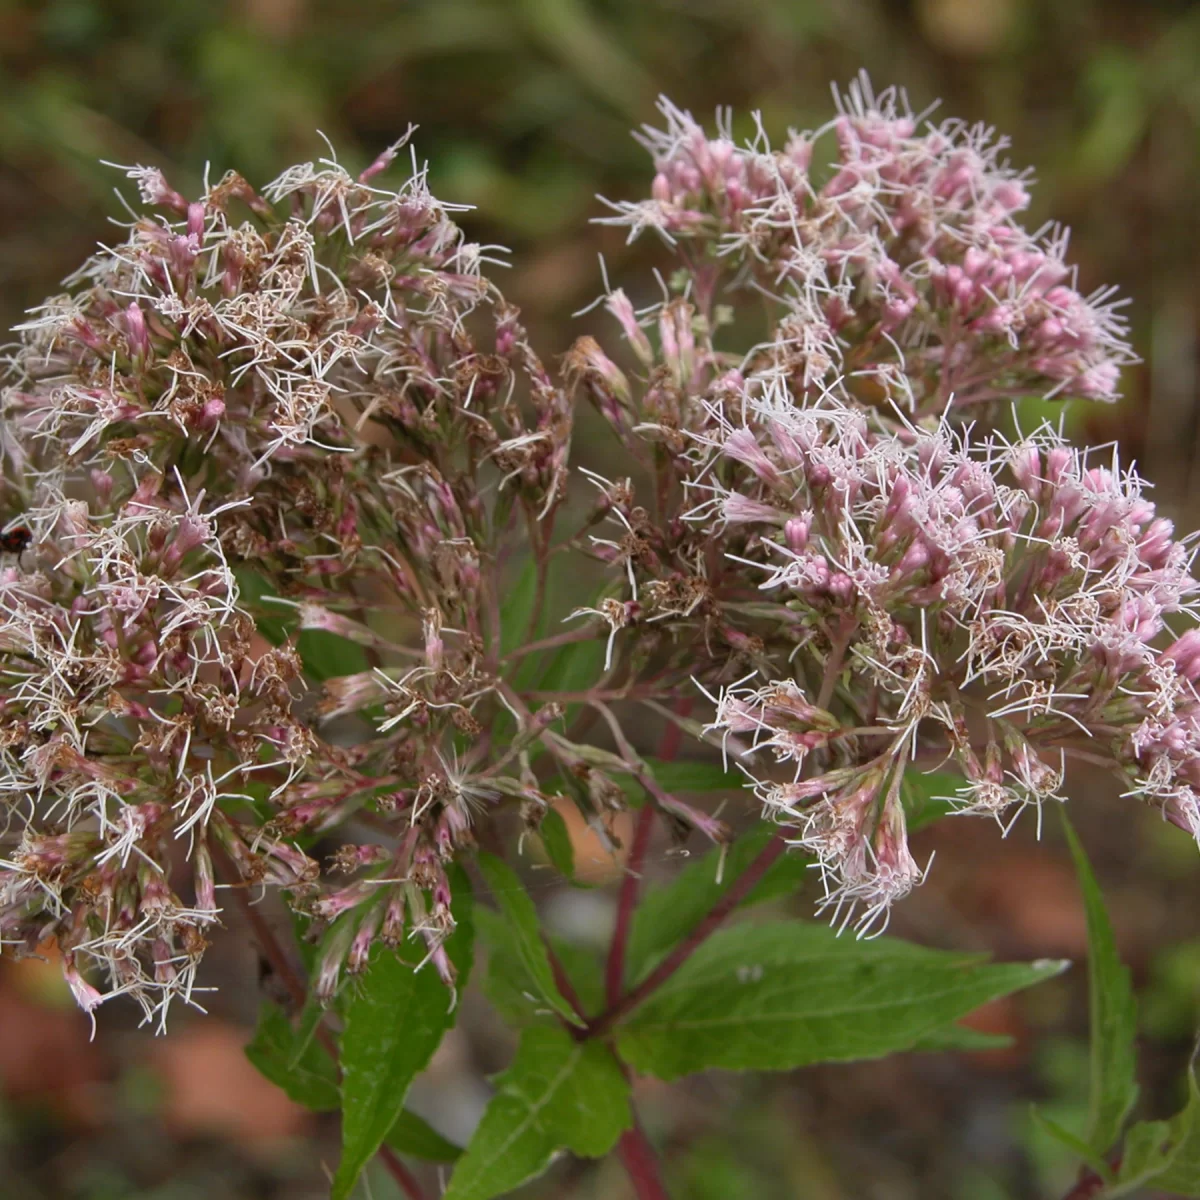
(525, 108)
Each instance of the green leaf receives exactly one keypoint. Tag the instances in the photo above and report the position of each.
(962, 1037)
(299, 1066)
(273, 621)
(924, 796)
(506, 984)
(509, 985)
(306, 1028)
(414, 1136)
(394, 1022)
(585, 971)
(785, 994)
(1148, 1150)
(689, 776)
(526, 935)
(1180, 1160)
(311, 1080)
(668, 912)
(1073, 1143)
(574, 667)
(1113, 1088)
(329, 656)
(556, 841)
(557, 1093)
(516, 611)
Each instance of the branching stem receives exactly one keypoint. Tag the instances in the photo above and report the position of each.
(641, 1163)
(737, 892)
(614, 971)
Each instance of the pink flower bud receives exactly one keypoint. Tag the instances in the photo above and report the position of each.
(86, 996)
(796, 532)
(1184, 654)
(135, 330)
(618, 304)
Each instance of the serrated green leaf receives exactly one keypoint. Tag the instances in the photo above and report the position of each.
(585, 971)
(525, 930)
(301, 1068)
(557, 1093)
(394, 1021)
(306, 1029)
(414, 1136)
(668, 912)
(328, 656)
(556, 841)
(308, 1075)
(1113, 1013)
(507, 985)
(785, 994)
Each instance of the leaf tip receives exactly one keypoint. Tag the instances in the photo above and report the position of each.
(1051, 966)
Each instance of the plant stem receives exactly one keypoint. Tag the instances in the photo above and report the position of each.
(542, 562)
(408, 1182)
(566, 988)
(614, 969)
(580, 634)
(614, 972)
(268, 943)
(672, 734)
(1089, 1183)
(741, 888)
(641, 1163)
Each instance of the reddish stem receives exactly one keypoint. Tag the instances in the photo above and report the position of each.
(408, 1182)
(737, 892)
(566, 988)
(579, 634)
(273, 952)
(614, 971)
(1089, 1183)
(641, 1163)
(672, 735)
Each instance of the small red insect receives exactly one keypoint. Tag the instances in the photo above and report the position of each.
(15, 541)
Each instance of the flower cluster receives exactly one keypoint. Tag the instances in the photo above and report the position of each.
(291, 474)
(897, 270)
(1001, 604)
(324, 361)
(863, 575)
(137, 714)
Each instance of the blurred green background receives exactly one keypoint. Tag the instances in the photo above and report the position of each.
(525, 110)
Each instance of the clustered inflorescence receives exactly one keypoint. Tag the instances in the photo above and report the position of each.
(302, 393)
(271, 422)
